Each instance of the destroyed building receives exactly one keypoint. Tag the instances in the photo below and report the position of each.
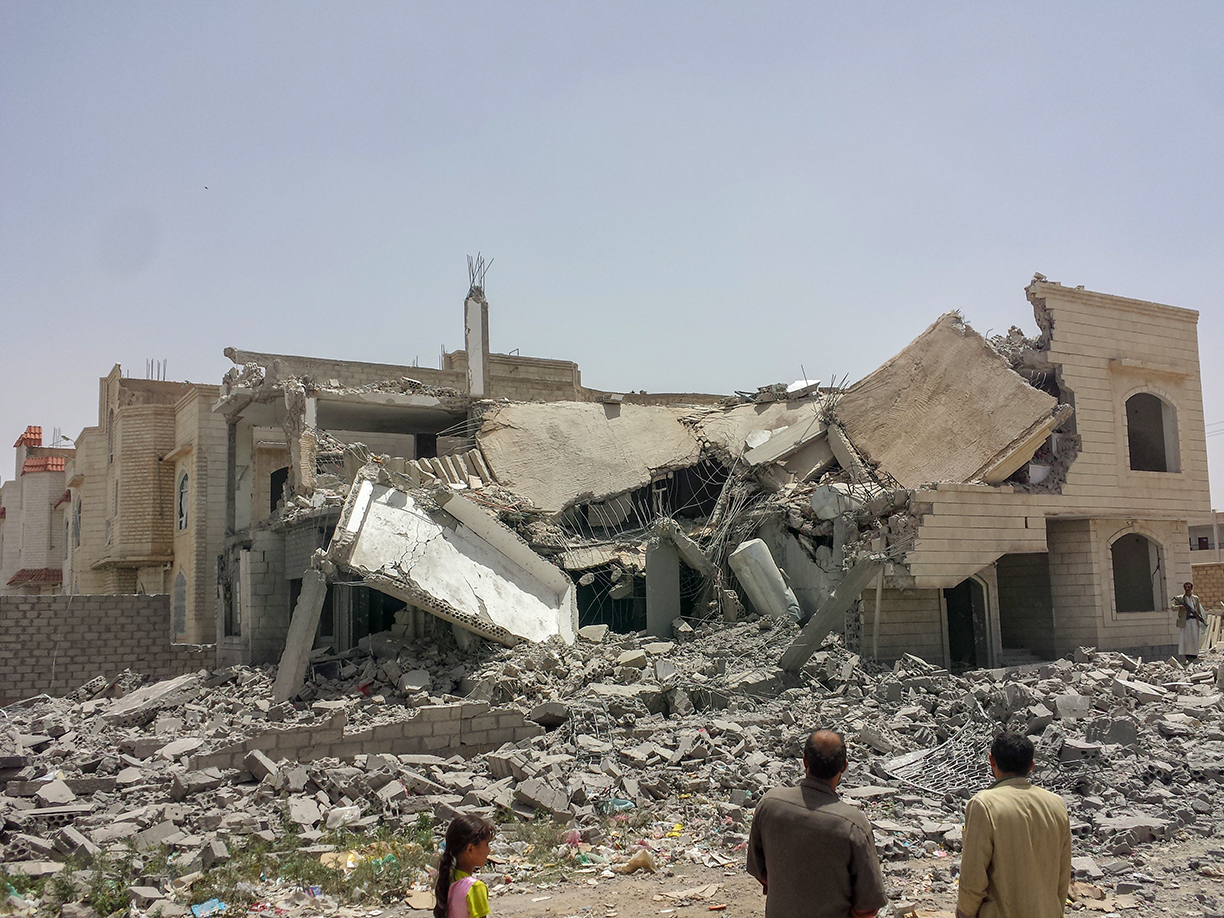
(299, 428)
(968, 501)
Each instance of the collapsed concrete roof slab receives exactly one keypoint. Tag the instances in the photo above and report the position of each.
(729, 428)
(947, 408)
(457, 562)
(563, 453)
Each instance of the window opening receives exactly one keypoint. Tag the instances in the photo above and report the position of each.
(276, 488)
(1151, 434)
(183, 495)
(1136, 573)
(180, 604)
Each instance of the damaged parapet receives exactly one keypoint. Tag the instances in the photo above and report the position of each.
(441, 552)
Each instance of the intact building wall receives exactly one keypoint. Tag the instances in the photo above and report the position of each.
(911, 621)
(1208, 581)
(1073, 588)
(54, 644)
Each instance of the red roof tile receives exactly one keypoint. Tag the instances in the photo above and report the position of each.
(31, 437)
(37, 575)
(64, 498)
(43, 464)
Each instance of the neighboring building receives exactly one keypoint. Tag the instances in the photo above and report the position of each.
(1205, 536)
(147, 499)
(1088, 543)
(32, 538)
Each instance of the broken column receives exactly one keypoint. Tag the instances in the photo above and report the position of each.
(662, 587)
(763, 582)
(300, 640)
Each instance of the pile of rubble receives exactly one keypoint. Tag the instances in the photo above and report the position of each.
(636, 744)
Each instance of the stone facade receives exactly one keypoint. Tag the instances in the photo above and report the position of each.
(1097, 353)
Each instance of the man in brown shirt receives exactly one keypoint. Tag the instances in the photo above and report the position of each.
(814, 855)
(1016, 857)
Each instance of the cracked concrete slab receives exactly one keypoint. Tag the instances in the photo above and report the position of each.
(564, 453)
(455, 561)
(947, 408)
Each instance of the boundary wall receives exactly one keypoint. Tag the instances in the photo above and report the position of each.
(55, 644)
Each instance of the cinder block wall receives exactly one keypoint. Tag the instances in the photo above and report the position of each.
(466, 729)
(54, 644)
(1208, 582)
(1026, 610)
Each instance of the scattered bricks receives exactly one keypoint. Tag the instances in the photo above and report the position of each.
(72, 843)
(1122, 731)
(155, 836)
(1085, 868)
(1074, 750)
(214, 853)
(144, 896)
(179, 748)
(141, 747)
(296, 779)
(24, 847)
(549, 715)
(128, 776)
(1037, 718)
(393, 792)
(665, 671)
(500, 762)
(84, 787)
(593, 633)
(1140, 691)
(304, 811)
(543, 796)
(1072, 706)
(259, 765)
(636, 659)
(186, 785)
(55, 793)
(418, 680)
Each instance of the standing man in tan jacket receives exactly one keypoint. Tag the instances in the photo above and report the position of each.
(1016, 857)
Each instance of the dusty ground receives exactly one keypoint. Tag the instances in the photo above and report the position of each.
(1178, 878)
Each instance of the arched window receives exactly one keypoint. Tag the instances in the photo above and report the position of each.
(183, 496)
(1136, 574)
(110, 436)
(1151, 433)
(76, 525)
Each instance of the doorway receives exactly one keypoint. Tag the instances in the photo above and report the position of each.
(967, 636)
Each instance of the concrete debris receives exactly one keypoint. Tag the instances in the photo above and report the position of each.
(948, 408)
(445, 554)
(1136, 747)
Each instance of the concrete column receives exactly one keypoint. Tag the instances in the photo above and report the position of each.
(300, 640)
(754, 567)
(476, 341)
(662, 587)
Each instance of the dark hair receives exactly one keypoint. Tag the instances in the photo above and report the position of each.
(463, 831)
(1013, 753)
(823, 758)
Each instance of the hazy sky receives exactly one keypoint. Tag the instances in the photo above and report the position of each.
(678, 196)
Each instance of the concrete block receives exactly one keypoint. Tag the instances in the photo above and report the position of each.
(258, 764)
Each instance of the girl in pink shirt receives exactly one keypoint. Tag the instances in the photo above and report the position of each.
(459, 894)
